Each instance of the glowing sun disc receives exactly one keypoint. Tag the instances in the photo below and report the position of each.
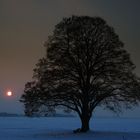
(9, 93)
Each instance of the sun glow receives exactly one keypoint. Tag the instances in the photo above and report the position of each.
(9, 93)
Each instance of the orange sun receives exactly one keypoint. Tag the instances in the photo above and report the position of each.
(9, 93)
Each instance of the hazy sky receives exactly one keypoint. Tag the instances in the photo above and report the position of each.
(26, 24)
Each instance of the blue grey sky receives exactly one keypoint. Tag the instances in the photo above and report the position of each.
(26, 24)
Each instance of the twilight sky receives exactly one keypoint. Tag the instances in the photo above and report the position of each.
(26, 24)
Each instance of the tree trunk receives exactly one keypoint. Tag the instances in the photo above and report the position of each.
(85, 118)
(85, 123)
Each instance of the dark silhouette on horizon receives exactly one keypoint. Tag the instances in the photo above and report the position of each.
(86, 66)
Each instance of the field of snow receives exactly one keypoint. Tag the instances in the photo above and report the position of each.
(60, 128)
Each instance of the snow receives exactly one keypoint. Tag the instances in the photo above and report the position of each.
(60, 128)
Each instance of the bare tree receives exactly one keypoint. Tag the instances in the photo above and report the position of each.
(86, 66)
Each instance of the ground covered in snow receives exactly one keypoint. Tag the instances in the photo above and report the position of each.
(60, 128)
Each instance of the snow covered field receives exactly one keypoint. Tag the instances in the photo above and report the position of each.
(60, 128)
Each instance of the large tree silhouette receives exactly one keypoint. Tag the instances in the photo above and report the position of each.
(86, 66)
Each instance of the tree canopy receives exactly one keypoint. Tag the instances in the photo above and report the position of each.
(86, 66)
